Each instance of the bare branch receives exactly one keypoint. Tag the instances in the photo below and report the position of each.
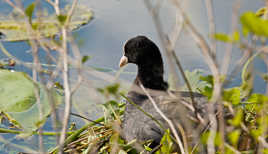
(198, 38)
(229, 47)
(172, 127)
(174, 76)
(212, 27)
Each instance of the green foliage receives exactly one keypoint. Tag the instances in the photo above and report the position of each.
(226, 38)
(234, 137)
(85, 59)
(113, 109)
(17, 91)
(29, 11)
(261, 12)
(255, 102)
(222, 37)
(205, 136)
(193, 77)
(265, 151)
(208, 89)
(166, 143)
(232, 95)
(258, 99)
(62, 18)
(16, 29)
(110, 90)
(253, 24)
(238, 118)
(113, 89)
(253, 105)
(257, 132)
(18, 101)
(265, 77)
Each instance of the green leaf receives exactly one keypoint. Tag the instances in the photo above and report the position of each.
(257, 132)
(85, 59)
(208, 90)
(204, 137)
(193, 77)
(166, 142)
(208, 79)
(232, 95)
(18, 102)
(258, 98)
(261, 12)
(234, 136)
(265, 77)
(17, 91)
(253, 105)
(237, 118)
(255, 102)
(222, 37)
(236, 36)
(29, 10)
(147, 148)
(254, 24)
(265, 151)
(62, 18)
(113, 89)
(217, 139)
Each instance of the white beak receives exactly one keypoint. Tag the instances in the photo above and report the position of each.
(123, 61)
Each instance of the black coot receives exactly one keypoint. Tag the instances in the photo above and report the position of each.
(136, 125)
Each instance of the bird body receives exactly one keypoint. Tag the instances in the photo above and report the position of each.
(175, 105)
(138, 126)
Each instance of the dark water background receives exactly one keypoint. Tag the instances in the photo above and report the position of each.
(115, 21)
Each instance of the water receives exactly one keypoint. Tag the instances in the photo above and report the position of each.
(115, 21)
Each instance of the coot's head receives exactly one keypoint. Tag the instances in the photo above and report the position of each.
(142, 52)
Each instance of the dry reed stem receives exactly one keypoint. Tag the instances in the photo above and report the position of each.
(171, 125)
(212, 27)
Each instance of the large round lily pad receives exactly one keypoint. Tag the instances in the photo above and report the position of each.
(18, 100)
(16, 91)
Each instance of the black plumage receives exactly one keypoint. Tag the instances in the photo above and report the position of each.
(136, 125)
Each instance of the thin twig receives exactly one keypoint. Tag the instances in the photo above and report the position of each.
(212, 27)
(144, 112)
(77, 115)
(67, 91)
(172, 127)
(212, 64)
(169, 47)
(65, 76)
(172, 71)
(229, 46)
(184, 137)
(198, 38)
(36, 69)
(232, 148)
(194, 104)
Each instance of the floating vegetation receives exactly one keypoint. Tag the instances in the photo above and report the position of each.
(17, 29)
(18, 101)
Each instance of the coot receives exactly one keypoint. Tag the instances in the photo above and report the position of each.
(136, 125)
